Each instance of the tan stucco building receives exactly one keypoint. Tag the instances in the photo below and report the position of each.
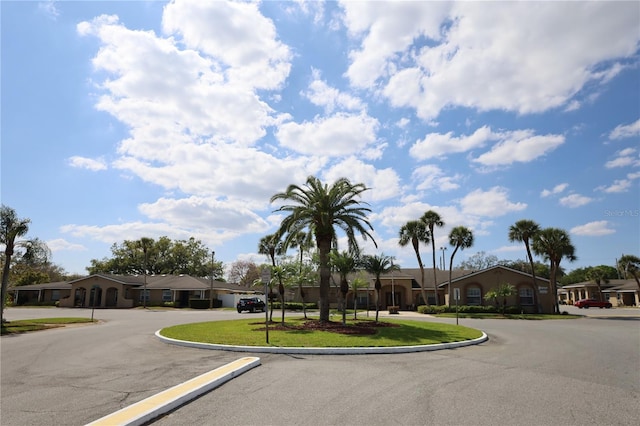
(128, 291)
(618, 292)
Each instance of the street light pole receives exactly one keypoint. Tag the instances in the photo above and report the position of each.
(213, 253)
(443, 259)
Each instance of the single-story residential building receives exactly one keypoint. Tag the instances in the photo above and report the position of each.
(127, 291)
(618, 292)
(473, 287)
(402, 289)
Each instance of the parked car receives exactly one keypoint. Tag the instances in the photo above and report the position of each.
(591, 303)
(250, 304)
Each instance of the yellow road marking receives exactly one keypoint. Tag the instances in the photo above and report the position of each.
(157, 404)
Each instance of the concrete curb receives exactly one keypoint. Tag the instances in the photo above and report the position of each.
(148, 409)
(324, 351)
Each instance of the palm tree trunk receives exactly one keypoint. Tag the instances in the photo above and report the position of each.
(5, 281)
(324, 247)
(435, 275)
(554, 292)
(533, 275)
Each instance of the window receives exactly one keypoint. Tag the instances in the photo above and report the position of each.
(55, 295)
(362, 300)
(526, 296)
(144, 295)
(474, 296)
(166, 295)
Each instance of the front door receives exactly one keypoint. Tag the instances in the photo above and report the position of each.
(393, 299)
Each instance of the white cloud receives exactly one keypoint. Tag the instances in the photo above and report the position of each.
(624, 158)
(335, 135)
(519, 146)
(198, 213)
(556, 190)
(575, 200)
(49, 9)
(626, 131)
(237, 34)
(383, 184)
(60, 244)
(492, 203)
(330, 98)
(437, 144)
(620, 185)
(512, 146)
(433, 177)
(593, 229)
(422, 53)
(87, 163)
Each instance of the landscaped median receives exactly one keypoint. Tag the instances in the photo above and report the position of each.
(309, 336)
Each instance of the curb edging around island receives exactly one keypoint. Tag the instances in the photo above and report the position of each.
(324, 351)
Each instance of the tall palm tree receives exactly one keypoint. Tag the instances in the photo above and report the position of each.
(344, 264)
(461, 238)
(554, 244)
(270, 245)
(379, 265)
(319, 208)
(525, 230)
(416, 232)
(433, 219)
(11, 227)
(630, 264)
(598, 275)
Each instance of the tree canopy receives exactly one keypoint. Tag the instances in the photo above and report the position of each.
(163, 256)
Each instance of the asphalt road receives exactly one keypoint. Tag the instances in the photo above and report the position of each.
(563, 372)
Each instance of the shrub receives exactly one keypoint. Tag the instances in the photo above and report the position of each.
(204, 303)
(293, 306)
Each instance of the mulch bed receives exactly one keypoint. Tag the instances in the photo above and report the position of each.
(357, 328)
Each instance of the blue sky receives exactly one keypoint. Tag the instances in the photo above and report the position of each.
(129, 119)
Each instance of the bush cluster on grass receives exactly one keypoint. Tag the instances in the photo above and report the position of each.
(467, 309)
(293, 306)
(204, 303)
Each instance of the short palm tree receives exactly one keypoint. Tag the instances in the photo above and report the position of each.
(554, 245)
(461, 238)
(320, 208)
(379, 265)
(503, 291)
(343, 263)
(416, 232)
(630, 264)
(360, 281)
(271, 246)
(525, 230)
(433, 219)
(598, 275)
(11, 227)
(303, 241)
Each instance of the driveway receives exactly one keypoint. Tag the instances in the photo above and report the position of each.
(562, 372)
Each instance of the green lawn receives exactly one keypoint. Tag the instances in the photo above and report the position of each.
(23, 326)
(250, 332)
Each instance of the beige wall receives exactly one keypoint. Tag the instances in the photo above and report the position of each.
(111, 294)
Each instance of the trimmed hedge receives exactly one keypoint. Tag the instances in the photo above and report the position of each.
(467, 309)
(204, 303)
(293, 306)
